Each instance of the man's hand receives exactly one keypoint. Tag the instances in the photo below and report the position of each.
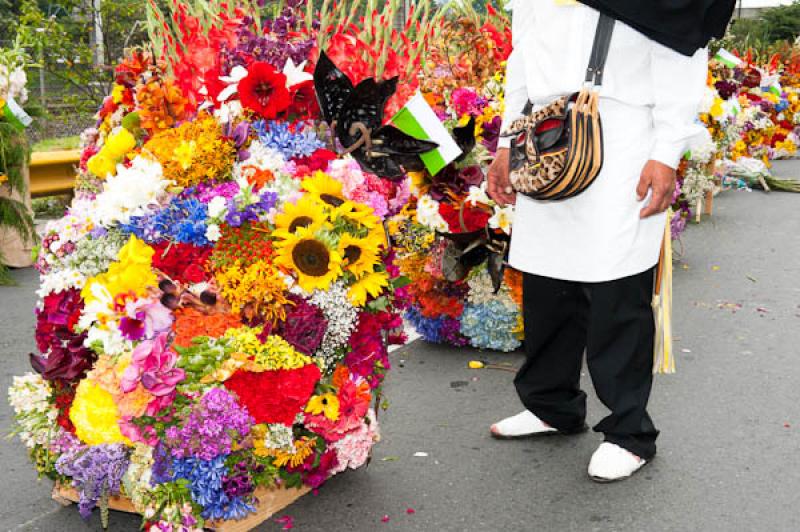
(659, 178)
(499, 186)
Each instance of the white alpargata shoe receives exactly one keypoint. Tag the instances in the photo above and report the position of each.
(523, 425)
(611, 462)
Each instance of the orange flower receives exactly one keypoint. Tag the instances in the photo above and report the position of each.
(190, 323)
(513, 280)
(161, 104)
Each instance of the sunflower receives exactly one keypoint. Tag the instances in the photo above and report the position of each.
(307, 212)
(314, 262)
(356, 212)
(360, 254)
(371, 284)
(325, 188)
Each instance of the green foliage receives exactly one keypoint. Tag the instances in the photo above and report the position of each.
(773, 26)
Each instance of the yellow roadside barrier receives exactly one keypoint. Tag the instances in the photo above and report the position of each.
(53, 172)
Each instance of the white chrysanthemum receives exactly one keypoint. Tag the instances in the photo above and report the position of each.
(132, 192)
(60, 281)
(213, 232)
(261, 157)
(428, 214)
(217, 207)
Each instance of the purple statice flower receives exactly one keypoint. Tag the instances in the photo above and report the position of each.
(96, 471)
(65, 442)
(213, 425)
(236, 218)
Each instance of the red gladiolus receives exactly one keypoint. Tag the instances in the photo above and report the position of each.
(264, 91)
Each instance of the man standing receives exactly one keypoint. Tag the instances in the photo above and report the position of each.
(589, 260)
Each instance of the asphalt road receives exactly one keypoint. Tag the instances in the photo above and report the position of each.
(729, 453)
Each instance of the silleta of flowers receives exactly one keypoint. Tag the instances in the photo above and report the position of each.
(451, 238)
(216, 304)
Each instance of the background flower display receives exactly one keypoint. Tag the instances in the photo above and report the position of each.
(216, 304)
(17, 234)
(451, 237)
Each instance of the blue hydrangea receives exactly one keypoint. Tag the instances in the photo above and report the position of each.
(440, 330)
(293, 140)
(183, 221)
(490, 325)
(205, 483)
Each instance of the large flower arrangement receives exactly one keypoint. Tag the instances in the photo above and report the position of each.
(451, 239)
(216, 304)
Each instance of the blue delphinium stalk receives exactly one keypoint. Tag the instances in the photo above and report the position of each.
(206, 482)
(183, 221)
(441, 330)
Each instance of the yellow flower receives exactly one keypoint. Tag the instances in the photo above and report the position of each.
(100, 164)
(315, 264)
(371, 284)
(119, 144)
(184, 153)
(132, 273)
(211, 158)
(117, 93)
(95, 416)
(303, 448)
(274, 353)
(258, 286)
(325, 188)
(360, 254)
(327, 404)
(307, 212)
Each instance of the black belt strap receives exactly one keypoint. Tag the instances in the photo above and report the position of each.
(602, 40)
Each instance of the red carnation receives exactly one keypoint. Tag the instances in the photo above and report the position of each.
(474, 218)
(275, 396)
(264, 90)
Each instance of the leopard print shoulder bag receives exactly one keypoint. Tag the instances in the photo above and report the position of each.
(557, 150)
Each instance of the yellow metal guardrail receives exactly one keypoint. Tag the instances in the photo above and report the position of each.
(53, 172)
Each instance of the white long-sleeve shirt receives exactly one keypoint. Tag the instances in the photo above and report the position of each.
(648, 107)
(551, 47)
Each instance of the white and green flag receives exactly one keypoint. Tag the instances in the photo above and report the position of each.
(15, 114)
(727, 58)
(420, 121)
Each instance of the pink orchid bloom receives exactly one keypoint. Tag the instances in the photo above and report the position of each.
(153, 365)
(144, 318)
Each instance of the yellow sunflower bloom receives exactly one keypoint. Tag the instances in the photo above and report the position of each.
(327, 404)
(360, 254)
(325, 188)
(371, 284)
(307, 212)
(315, 264)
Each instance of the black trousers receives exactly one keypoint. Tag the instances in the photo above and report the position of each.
(613, 323)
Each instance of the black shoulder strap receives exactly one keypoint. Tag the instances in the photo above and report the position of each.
(602, 39)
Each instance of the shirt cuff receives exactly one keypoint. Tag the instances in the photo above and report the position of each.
(668, 153)
(504, 142)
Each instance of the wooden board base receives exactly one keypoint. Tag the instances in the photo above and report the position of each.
(270, 502)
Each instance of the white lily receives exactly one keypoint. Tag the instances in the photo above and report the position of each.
(238, 73)
(478, 195)
(502, 218)
(295, 74)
